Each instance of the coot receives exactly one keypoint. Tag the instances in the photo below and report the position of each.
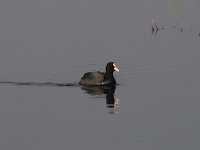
(100, 78)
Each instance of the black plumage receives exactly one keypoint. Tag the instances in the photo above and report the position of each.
(100, 78)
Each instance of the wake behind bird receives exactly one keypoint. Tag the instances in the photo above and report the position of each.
(38, 84)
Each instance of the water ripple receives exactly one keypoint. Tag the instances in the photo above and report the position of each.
(39, 83)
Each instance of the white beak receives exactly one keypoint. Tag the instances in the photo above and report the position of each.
(115, 68)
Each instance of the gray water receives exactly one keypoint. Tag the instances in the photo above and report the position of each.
(46, 46)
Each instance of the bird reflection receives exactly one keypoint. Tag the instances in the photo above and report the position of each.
(111, 101)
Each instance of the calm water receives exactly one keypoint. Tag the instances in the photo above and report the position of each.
(47, 45)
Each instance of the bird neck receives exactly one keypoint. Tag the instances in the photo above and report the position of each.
(109, 75)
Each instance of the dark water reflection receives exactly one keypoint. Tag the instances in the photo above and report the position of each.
(111, 101)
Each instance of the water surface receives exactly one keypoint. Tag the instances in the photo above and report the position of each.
(46, 46)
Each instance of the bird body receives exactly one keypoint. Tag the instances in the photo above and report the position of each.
(100, 78)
